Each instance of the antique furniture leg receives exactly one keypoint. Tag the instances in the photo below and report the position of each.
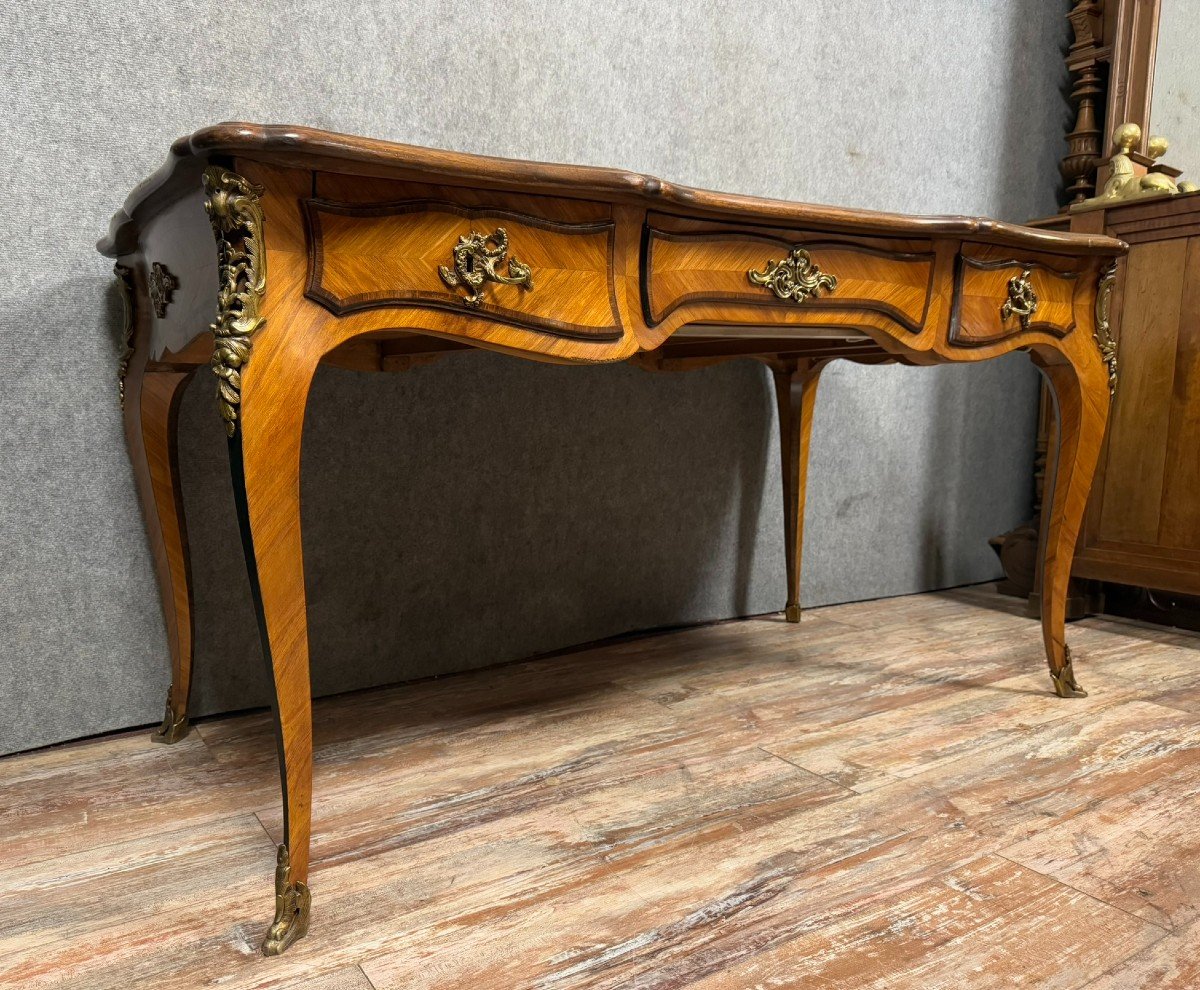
(264, 368)
(161, 392)
(151, 408)
(264, 454)
(1081, 418)
(266, 480)
(796, 396)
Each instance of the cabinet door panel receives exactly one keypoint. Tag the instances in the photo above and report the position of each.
(1137, 448)
(1180, 523)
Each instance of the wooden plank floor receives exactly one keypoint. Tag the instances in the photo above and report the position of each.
(886, 796)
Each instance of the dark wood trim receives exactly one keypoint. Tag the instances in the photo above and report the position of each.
(237, 475)
(339, 306)
(774, 347)
(786, 231)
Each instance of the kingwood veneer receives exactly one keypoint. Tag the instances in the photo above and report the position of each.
(378, 256)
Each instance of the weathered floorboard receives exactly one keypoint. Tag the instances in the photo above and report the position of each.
(885, 796)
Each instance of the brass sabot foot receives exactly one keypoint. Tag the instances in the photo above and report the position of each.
(174, 726)
(292, 901)
(1065, 685)
(792, 613)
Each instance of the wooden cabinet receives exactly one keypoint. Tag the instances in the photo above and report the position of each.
(1143, 520)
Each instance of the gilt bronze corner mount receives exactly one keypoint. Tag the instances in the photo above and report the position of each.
(1103, 335)
(794, 277)
(236, 216)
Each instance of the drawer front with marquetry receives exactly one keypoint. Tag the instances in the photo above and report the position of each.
(998, 296)
(550, 276)
(689, 264)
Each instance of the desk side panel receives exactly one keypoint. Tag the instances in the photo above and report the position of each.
(180, 240)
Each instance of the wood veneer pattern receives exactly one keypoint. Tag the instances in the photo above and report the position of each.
(607, 327)
(992, 299)
(656, 313)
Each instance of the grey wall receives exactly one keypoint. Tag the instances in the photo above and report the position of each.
(448, 523)
(1175, 99)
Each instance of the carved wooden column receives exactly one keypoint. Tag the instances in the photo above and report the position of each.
(1079, 166)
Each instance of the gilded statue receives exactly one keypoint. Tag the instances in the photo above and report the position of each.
(1131, 179)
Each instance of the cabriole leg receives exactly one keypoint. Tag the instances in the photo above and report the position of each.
(263, 379)
(1081, 418)
(796, 396)
(151, 416)
(266, 480)
(265, 462)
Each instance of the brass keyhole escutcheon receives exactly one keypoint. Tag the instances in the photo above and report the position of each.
(476, 256)
(1022, 301)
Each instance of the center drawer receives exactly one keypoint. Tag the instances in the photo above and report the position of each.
(810, 275)
(542, 274)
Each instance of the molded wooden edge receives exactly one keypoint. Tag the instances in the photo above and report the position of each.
(303, 147)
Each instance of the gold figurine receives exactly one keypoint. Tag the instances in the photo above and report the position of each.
(1132, 175)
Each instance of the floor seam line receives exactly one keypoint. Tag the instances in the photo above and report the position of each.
(217, 819)
(812, 773)
(263, 826)
(1115, 967)
(1093, 897)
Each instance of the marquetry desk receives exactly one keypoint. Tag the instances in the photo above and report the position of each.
(311, 247)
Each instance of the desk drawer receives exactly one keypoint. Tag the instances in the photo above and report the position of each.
(815, 275)
(556, 277)
(998, 296)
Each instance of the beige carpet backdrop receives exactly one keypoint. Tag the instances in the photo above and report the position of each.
(484, 509)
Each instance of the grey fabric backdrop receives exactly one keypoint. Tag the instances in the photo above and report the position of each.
(448, 525)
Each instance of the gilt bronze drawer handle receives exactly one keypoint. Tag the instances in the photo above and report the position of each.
(162, 286)
(1022, 301)
(475, 263)
(795, 277)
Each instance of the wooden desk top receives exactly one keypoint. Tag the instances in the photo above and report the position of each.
(618, 265)
(328, 151)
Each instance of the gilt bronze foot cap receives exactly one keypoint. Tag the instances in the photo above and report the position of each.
(792, 613)
(1065, 685)
(292, 902)
(174, 727)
